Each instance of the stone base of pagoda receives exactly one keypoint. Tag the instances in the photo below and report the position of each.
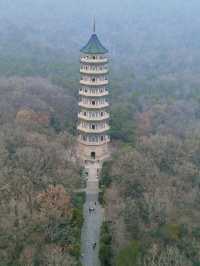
(93, 153)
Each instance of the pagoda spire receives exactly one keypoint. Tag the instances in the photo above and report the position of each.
(94, 25)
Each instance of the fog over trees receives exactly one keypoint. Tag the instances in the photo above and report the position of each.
(155, 39)
(142, 32)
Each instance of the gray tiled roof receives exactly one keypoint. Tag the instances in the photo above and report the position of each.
(94, 46)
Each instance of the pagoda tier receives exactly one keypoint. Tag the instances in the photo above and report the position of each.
(94, 82)
(93, 116)
(92, 140)
(93, 70)
(97, 59)
(91, 106)
(93, 93)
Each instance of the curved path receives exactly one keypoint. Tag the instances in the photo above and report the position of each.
(92, 220)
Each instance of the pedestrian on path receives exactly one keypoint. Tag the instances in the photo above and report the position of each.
(91, 209)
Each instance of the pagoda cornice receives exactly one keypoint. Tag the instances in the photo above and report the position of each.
(87, 94)
(87, 143)
(94, 83)
(97, 131)
(94, 72)
(87, 118)
(90, 106)
(94, 61)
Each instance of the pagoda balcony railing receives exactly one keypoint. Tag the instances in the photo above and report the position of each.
(99, 118)
(94, 61)
(91, 106)
(94, 83)
(89, 143)
(93, 72)
(97, 94)
(89, 130)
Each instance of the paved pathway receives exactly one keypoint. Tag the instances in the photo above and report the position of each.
(93, 220)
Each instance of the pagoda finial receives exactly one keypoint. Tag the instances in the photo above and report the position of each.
(94, 25)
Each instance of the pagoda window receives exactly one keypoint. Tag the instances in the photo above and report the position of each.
(94, 57)
(85, 113)
(84, 138)
(101, 113)
(93, 79)
(102, 138)
(93, 126)
(93, 102)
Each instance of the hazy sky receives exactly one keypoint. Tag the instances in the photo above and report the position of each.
(109, 12)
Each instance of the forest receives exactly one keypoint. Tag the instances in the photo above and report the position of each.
(150, 187)
(41, 214)
(152, 181)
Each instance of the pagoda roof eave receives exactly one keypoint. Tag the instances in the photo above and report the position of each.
(94, 46)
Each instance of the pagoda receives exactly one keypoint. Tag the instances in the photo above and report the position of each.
(93, 116)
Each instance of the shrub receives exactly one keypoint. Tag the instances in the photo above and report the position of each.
(129, 256)
(101, 198)
(75, 251)
(105, 174)
(55, 123)
(196, 232)
(169, 232)
(78, 200)
(77, 217)
(105, 251)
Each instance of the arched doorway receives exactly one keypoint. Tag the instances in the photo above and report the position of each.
(93, 155)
